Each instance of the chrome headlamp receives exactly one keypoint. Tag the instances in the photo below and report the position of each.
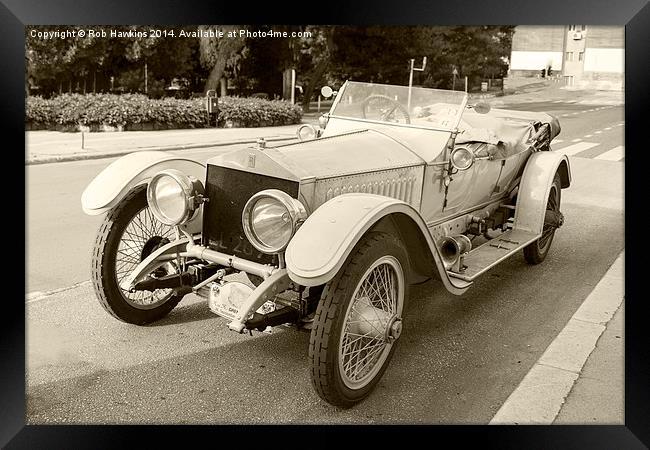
(307, 132)
(462, 158)
(271, 218)
(174, 197)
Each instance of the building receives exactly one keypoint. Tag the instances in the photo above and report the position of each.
(579, 55)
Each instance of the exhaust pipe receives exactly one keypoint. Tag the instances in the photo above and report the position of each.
(452, 248)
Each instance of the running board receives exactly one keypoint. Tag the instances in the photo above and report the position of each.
(488, 255)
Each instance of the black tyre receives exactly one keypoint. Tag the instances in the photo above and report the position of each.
(128, 235)
(358, 323)
(382, 107)
(536, 252)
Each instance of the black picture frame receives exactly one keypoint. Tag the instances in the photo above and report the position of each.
(633, 14)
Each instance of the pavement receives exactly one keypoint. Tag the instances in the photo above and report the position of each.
(579, 379)
(55, 146)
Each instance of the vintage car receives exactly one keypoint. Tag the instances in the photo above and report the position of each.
(397, 185)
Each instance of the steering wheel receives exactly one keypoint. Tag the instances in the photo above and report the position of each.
(387, 109)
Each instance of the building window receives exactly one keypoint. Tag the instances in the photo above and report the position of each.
(581, 56)
(572, 27)
(569, 56)
(583, 27)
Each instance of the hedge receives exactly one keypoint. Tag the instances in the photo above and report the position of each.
(71, 112)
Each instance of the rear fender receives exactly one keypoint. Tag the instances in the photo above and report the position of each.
(323, 243)
(113, 183)
(535, 186)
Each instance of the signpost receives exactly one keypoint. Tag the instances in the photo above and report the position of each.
(421, 69)
(454, 74)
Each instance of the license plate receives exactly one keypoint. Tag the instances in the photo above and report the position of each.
(226, 299)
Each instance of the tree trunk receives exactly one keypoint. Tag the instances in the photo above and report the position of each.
(225, 51)
(224, 87)
(215, 75)
(314, 80)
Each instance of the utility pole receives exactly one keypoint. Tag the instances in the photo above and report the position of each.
(145, 76)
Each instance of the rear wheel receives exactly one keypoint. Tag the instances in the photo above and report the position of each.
(536, 252)
(127, 236)
(359, 322)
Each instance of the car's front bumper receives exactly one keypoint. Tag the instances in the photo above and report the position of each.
(276, 280)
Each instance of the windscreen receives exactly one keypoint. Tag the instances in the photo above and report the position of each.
(429, 108)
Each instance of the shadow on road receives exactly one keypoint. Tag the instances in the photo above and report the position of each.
(193, 312)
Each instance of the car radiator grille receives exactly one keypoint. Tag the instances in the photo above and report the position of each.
(228, 191)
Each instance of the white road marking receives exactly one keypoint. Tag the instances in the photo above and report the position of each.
(598, 132)
(557, 141)
(539, 397)
(576, 140)
(608, 128)
(588, 135)
(36, 296)
(615, 154)
(577, 148)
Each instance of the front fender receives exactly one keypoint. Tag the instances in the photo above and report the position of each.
(115, 181)
(535, 186)
(323, 243)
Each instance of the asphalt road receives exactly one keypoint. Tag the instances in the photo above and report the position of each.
(458, 360)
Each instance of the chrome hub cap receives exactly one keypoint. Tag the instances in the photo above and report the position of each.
(395, 329)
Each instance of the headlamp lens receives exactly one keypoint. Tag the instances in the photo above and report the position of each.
(170, 199)
(271, 222)
(462, 158)
(270, 219)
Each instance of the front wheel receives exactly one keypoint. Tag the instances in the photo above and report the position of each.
(359, 321)
(127, 236)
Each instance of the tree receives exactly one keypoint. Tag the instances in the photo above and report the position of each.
(314, 54)
(477, 52)
(47, 59)
(92, 60)
(217, 53)
(377, 54)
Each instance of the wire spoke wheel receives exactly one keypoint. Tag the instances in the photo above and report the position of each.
(552, 205)
(127, 236)
(536, 252)
(358, 321)
(139, 239)
(372, 322)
